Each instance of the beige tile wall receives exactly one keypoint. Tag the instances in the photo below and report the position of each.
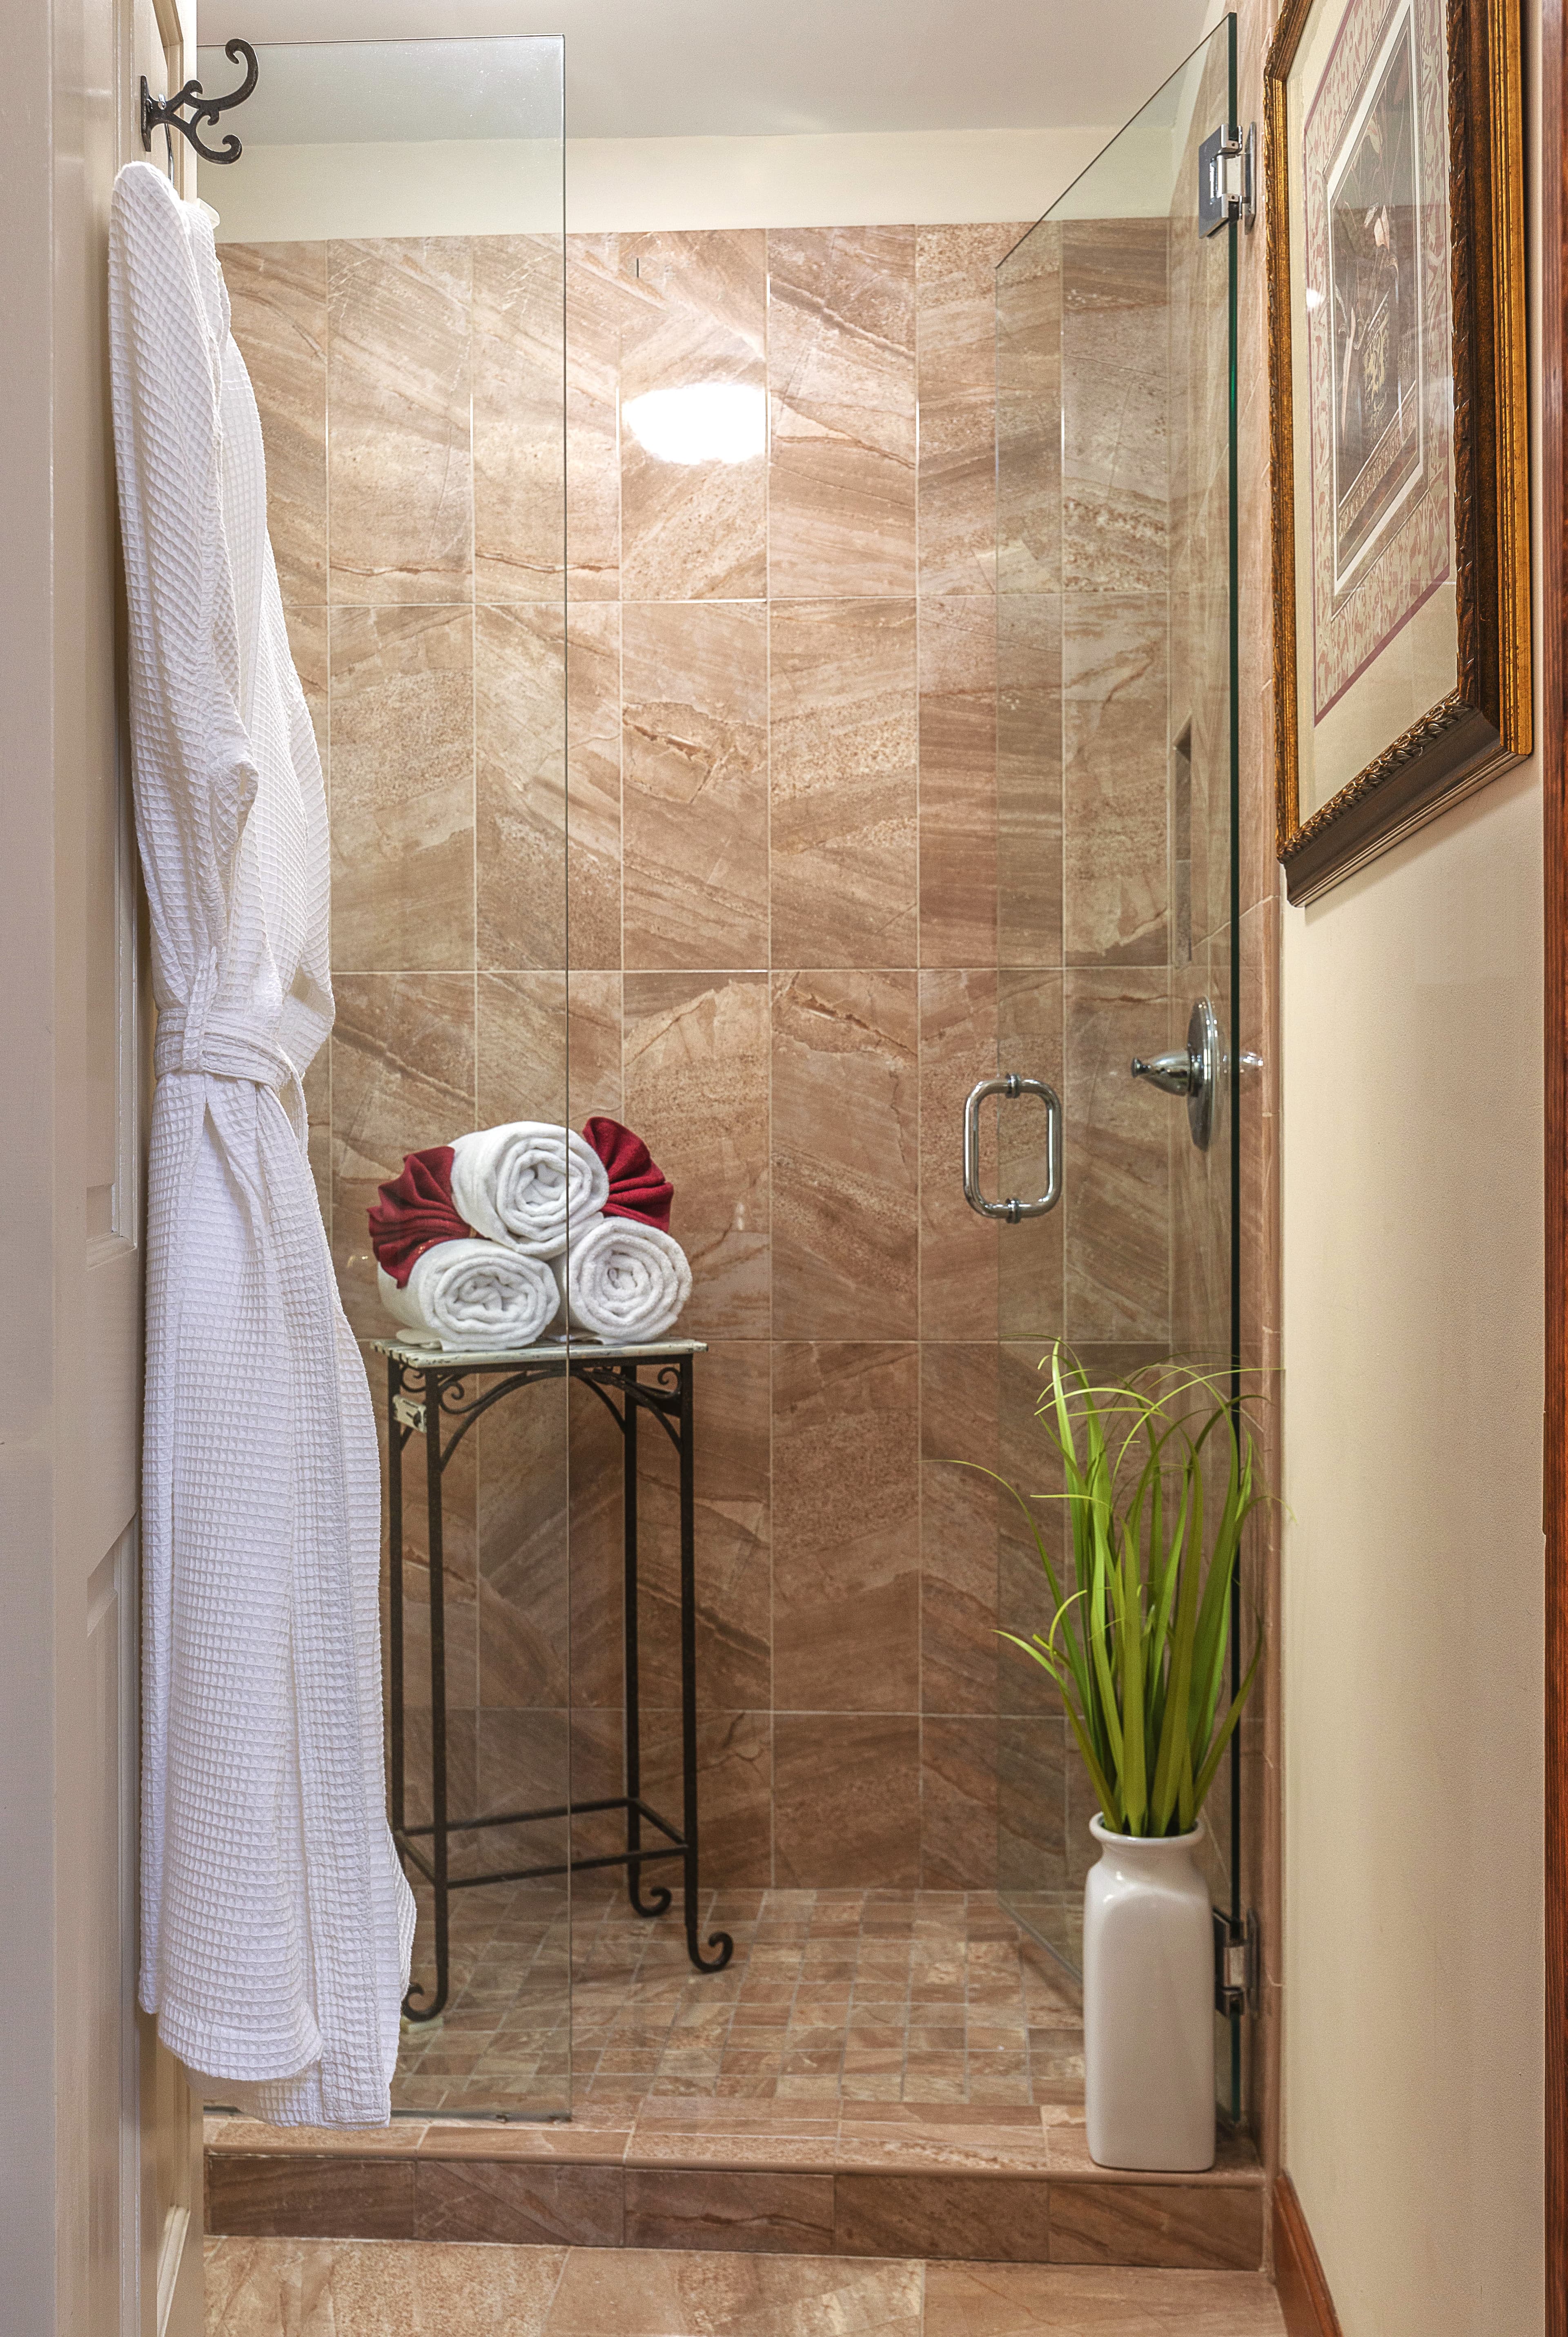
(779, 800)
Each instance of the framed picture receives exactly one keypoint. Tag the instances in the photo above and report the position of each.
(1400, 459)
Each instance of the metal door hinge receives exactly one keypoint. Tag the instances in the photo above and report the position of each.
(1227, 178)
(1235, 1962)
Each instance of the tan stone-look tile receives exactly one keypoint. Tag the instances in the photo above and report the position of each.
(845, 1059)
(846, 1800)
(402, 803)
(696, 1092)
(520, 868)
(460, 1562)
(400, 486)
(735, 1792)
(248, 2137)
(1029, 1462)
(656, 2145)
(958, 804)
(518, 444)
(695, 313)
(960, 1251)
(403, 1077)
(593, 797)
(596, 1574)
(842, 384)
(955, 353)
(277, 314)
(523, 1461)
(738, 2119)
(1116, 777)
(1116, 1176)
(461, 1634)
(959, 1395)
(958, 2138)
(598, 300)
(1028, 393)
(461, 1774)
(843, 783)
(599, 1773)
(1030, 1040)
(957, 1803)
(1235, 2161)
(1115, 405)
(766, 2213)
(578, 2141)
(523, 1763)
(293, 2288)
(846, 1527)
(594, 1026)
(1032, 1763)
(993, 2300)
(292, 2195)
(989, 2216)
(518, 2203)
(1196, 2227)
(666, 2290)
(522, 1042)
(308, 622)
(694, 697)
(1030, 753)
(732, 1538)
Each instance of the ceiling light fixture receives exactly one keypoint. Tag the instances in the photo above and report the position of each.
(710, 422)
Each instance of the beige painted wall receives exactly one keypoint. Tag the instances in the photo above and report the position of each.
(1413, 1575)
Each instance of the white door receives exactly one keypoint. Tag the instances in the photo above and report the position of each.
(100, 2144)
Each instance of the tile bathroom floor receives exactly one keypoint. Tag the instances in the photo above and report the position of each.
(423, 2288)
(833, 1997)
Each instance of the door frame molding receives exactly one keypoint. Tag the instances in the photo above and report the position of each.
(1555, 857)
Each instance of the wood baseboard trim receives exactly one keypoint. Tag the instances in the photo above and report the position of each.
(1304, 2298)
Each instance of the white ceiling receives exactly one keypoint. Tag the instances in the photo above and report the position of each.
(733, 68)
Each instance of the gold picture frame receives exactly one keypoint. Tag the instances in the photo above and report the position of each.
(1399, 493)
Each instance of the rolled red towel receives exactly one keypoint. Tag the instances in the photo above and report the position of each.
(638, 1187)
(414, 1212)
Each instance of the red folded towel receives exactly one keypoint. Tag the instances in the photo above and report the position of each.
(414, 1212)
(638, 1187)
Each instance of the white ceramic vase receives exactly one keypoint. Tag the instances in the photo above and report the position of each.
(1148, 2005)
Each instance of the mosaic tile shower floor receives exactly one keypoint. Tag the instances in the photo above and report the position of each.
(832, 1996)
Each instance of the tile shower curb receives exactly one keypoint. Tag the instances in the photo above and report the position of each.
(1035, 2200)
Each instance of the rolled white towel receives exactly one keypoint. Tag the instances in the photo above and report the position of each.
(474, 1294)
(522, 1183)
(622, 1280)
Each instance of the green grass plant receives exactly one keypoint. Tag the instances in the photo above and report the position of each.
(1140, 1630)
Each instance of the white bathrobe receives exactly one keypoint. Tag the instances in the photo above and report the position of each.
(276, 1922)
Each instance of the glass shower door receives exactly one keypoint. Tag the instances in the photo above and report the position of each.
(1116, 768)
(393, 241)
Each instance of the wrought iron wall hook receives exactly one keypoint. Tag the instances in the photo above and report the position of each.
(165, 110)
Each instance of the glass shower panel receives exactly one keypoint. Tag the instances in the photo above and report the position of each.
(1116, 793)
(393, 242)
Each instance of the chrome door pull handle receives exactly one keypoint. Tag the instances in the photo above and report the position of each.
(1011, 1086)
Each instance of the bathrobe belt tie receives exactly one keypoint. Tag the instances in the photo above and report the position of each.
(225, 1048)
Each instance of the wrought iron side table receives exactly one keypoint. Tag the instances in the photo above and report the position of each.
(428, 1394)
